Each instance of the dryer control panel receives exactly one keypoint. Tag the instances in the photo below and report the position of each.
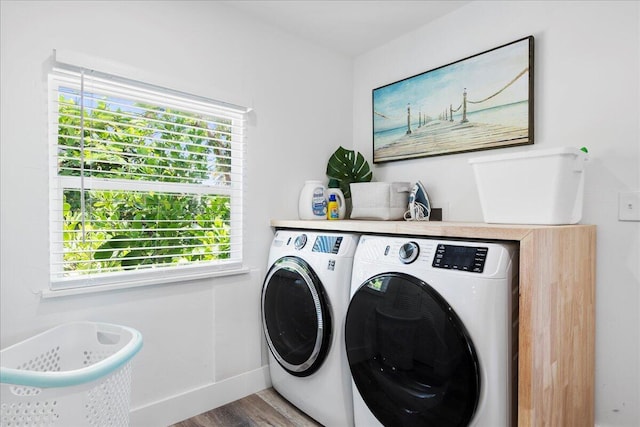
(465, 258)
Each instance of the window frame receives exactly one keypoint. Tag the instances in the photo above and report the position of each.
(58, 283)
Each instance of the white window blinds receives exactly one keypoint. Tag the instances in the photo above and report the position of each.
(144, 181)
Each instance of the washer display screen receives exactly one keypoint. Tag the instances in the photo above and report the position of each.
(465, 258)
(327, 244)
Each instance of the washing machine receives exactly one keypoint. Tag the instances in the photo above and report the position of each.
(305, 296)
(431, 332)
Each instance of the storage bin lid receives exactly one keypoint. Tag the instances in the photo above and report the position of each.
(557, 151)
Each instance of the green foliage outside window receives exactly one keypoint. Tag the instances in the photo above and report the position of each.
(128, 229)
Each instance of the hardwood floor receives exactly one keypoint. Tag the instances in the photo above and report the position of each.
(265, 408)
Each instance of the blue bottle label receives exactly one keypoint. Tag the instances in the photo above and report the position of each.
(318, 203)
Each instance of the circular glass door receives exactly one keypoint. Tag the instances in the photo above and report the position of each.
(410, 356)
(296, 316)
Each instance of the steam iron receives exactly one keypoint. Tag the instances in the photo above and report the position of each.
(419, 206)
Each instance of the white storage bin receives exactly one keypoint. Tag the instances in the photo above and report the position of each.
(379, 200)
(76, 374)
(532, 187)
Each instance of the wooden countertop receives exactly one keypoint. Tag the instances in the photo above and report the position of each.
(469, 230)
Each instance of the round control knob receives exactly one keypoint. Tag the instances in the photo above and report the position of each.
(409, 252)
(300, 241)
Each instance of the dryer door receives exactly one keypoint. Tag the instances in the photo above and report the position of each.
(296, 316)
(411, 357)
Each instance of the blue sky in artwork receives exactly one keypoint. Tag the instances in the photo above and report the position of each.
(435, 91)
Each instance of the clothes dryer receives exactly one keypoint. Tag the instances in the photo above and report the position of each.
(431, 332)
(304, 301)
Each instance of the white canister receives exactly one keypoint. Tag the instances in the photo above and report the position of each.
(312, 203)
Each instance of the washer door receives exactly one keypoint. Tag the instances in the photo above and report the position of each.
(296, 316)
(411, 357)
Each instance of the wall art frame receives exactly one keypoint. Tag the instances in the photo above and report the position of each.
(481, 102)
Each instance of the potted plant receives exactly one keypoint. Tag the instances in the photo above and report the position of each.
(344, 167)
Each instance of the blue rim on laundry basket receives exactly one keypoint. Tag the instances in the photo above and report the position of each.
(76, 376)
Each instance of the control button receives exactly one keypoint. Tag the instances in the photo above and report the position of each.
(300, 241)
(409, 252)
(336, 245)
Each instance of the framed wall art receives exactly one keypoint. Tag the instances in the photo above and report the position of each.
(481, 102)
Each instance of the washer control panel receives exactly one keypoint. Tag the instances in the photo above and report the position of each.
(323, 244)
(465, 258)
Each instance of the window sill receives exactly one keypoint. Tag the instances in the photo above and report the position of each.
(147, 281)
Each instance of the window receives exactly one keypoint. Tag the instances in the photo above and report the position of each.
(146, 183)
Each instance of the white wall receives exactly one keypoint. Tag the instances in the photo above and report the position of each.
(587, 90)
(203, 342)
(203, 339)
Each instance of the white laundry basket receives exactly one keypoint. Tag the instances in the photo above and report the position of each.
(76, 374)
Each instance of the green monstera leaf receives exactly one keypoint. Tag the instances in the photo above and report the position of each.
(347, 166)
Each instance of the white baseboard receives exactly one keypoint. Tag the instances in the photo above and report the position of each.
(188, 404)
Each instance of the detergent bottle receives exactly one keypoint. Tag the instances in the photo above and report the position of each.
(312, 203)
(341, 203)
(332, 208)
